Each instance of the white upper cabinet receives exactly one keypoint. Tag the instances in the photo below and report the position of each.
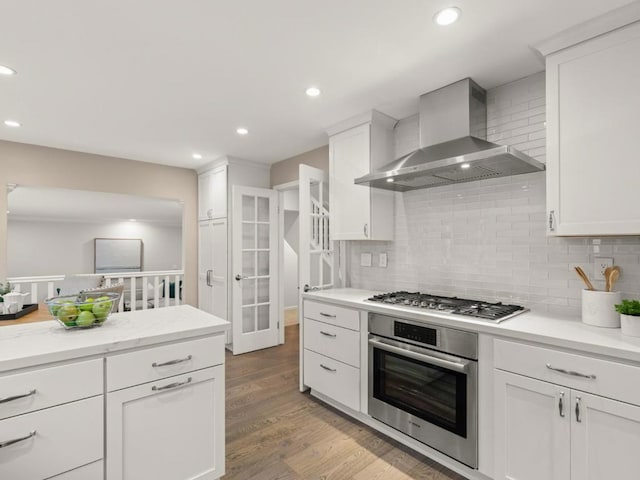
(592, 125)
(357, 147)
(212, 193)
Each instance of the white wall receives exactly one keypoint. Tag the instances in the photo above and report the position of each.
(35, 166)
(487, 239)
(53, 248)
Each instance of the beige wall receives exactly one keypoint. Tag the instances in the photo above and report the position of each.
(48, 167)
(286, 171)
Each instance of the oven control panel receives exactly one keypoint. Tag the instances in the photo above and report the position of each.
(416, 333)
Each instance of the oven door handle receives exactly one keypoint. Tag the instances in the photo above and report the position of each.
(439, 362)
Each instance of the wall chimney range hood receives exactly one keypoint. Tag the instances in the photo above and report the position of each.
(453, 126)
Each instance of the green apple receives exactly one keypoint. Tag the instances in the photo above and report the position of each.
(87, 306)
(102, 308)
(85, 319)
(67, 314)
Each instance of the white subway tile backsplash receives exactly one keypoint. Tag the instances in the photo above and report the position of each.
(487, 239)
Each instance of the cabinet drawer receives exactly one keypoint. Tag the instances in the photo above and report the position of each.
(336, 380)
(152, 364)
(53, 386)
(93, 471)
(612, 379)
(327, 313)
(334, 342)
(65, 437)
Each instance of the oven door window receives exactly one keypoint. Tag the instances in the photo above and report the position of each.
(432, 393)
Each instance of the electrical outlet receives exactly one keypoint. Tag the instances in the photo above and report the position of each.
(382, 260)
(365, 259)
(599, 266)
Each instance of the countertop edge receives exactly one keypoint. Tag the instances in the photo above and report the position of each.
(142, 335)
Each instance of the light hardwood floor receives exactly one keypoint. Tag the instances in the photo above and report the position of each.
(274, 432)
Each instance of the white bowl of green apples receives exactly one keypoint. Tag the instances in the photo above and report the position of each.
(82, 310)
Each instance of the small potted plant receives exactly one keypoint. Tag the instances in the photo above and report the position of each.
(629, 311)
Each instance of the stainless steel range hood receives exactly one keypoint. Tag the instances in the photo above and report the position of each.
(453, 125)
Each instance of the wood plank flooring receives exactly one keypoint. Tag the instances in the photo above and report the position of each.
(274, 432)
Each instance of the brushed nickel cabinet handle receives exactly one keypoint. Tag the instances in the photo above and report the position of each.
(578, 410)
(171, 385)
(366, 230)
(571, 372)
(328, 315)
(561, 404)
(172, 362)
(328, 368)
(32, 433)
(17, 397)
(327, 334)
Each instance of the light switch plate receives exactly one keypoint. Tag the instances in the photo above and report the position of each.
(365, 259)
(382, 260)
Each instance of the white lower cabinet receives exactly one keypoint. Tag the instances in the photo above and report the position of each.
(48, 442)
(545, 430)
(169, 429)
(332, 378)
(532, 434)
(605, 443)
(330, 353)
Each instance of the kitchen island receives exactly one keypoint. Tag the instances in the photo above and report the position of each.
(142, 396)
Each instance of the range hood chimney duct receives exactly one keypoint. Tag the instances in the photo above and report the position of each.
(453, 146)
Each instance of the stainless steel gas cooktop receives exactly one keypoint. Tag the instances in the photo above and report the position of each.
(493, 312)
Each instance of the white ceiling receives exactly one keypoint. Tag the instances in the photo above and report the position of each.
(59, 204)
(156, 80)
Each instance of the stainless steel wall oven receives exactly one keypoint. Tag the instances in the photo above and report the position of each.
(423, 382)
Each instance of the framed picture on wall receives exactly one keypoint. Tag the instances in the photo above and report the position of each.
(118, 255)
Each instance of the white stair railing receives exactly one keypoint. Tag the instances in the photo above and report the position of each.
(133, 289)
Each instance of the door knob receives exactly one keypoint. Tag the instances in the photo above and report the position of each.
(240, 277)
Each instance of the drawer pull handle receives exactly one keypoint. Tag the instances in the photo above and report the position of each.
(578, 410)
(17, 397)
(570, 372)
(327, 315)
(327, 334)
(328, 368)
(11, 442)
(561, 404)
(171, 385)
(172, 362)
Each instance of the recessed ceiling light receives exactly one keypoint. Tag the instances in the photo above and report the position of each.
(197, 156)
(390, 180)
(447, 16)
(12, 123)
(465, 165)
(133, 220)
(4, 70)
(242, 131)
(313, 91)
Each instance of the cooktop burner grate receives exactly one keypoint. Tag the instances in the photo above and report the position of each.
(459, 306)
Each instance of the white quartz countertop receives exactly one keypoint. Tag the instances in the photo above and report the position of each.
(33, 344)
(567, 332)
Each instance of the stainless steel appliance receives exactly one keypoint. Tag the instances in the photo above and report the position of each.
(494, 312)
(423, 381)
(454, 149)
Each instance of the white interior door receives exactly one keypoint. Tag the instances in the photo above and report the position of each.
(254, 269)
(315, 259)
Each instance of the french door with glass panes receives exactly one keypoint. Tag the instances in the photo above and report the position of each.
(316, 258)
(254, 269)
